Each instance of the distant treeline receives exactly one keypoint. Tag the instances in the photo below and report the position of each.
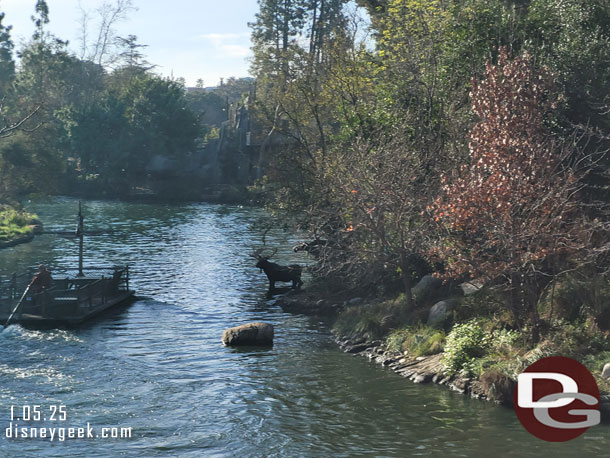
(92, 122)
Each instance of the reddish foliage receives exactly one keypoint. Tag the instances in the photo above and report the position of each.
(512, 206)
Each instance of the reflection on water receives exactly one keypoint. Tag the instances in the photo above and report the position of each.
(158, 365)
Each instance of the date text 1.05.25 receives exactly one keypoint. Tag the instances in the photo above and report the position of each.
(52, 412)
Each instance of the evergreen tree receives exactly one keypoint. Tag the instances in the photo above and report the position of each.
(131, 55)
(7, 64)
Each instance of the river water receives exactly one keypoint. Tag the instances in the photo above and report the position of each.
(158, 366)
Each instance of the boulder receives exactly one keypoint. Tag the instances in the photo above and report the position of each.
(606, 371)
(427, 290)
(38, 228)
(497, 387)
(249, 334)
(460, 384)
(356, 348)
(422, 378)
(389, 322)
(470, 287)
(604, 410)
(440, 312)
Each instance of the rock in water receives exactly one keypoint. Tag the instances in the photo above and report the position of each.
(249, 334)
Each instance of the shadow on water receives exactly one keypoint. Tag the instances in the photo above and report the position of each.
(251, 350)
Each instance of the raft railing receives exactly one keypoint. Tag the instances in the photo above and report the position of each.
(83, 289)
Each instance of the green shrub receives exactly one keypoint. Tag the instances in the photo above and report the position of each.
(396, 339)
(503, 354)
(581, 337)
(504, 338)
(465, 343)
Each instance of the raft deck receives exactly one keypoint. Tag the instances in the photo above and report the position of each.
(70, 301)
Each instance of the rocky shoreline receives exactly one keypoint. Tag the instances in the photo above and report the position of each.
(18, 241)
(421, 370)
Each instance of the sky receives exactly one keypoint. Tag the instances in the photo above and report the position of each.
(207, 39)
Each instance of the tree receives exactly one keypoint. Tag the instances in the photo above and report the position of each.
(131, 56)
(512, 212)
(40, 19)
(10, 121)
(292, 61)
(22, 157)
(158, 119)
(572, 38)
(381, 184)
(277, 24)
(209, 106)
(97, 135)
(103, 50)
(43, 60)
(7, 64)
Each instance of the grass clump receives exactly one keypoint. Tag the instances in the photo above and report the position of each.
(420, 341)
(371, 321)
(577, 339)
(15, 223)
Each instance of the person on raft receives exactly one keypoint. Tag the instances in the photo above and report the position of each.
(42, 280)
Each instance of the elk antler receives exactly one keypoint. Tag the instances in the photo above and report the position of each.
(256, 254)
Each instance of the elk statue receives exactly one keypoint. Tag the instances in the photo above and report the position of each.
(275, 272)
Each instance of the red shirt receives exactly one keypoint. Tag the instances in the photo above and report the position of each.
(42, 280)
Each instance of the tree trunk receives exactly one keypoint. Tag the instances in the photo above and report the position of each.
(407, 282)
(526, 290)
(532, 290)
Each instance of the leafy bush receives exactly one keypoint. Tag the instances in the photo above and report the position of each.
(581, 337)
(504, 355)
(504, 338)
(465, 343)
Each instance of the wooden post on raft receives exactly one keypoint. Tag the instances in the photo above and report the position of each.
(80, 234)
